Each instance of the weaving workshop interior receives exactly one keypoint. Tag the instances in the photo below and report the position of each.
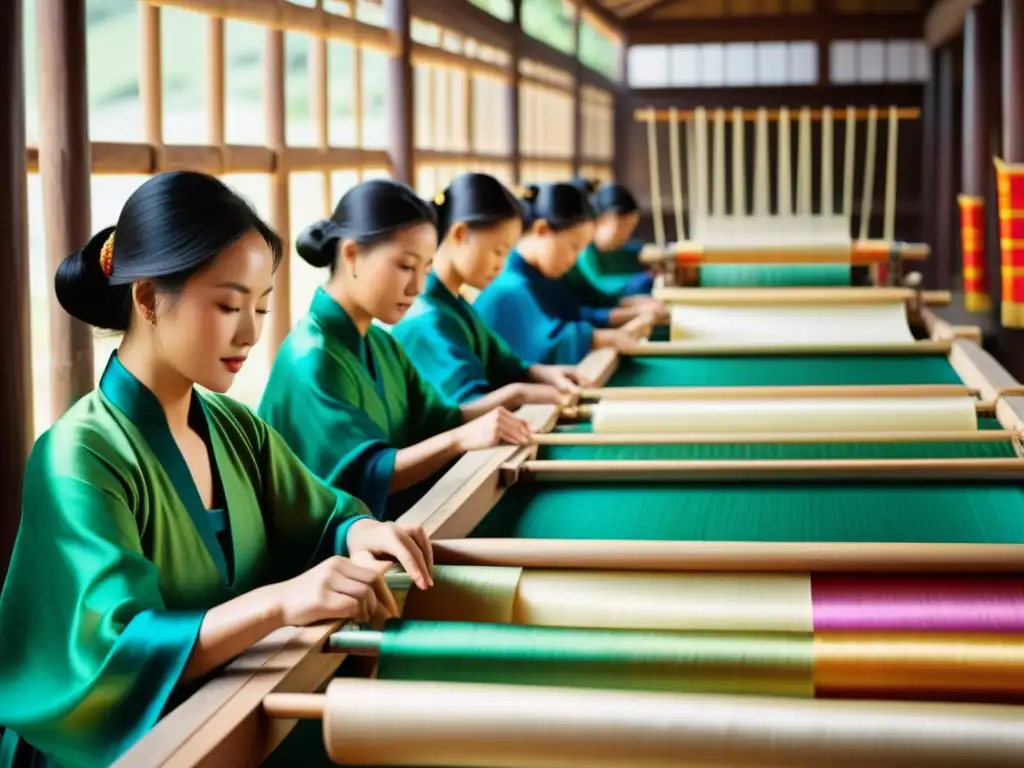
(512, 383)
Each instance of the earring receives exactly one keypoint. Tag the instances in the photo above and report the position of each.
(150, 316)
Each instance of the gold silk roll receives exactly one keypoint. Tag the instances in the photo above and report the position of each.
(668, 601)
(616, 599)
(771, 325)
(744, 416)
(947, 666)
(395, 723)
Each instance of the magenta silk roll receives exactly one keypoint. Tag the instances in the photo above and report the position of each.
(939, 604)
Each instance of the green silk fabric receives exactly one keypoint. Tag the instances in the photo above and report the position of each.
(782, 371)
(794, 511)
(115, 566)
(750, 663)
(774, 275)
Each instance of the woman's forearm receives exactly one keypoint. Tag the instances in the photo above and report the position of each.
(230, 628)
(508, 397)
(418, 462)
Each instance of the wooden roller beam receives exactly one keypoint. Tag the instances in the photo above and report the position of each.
(783, 296)
(733, 556)
(795, 393)
(700, 349)
(765, 438)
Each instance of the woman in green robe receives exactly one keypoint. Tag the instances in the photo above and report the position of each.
(479, 222)
(166, 529)
(341, 391)
(608, 272)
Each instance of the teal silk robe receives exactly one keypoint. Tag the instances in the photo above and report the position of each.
(117, 560)
(347, 403)
(451, 347)
(604, 278)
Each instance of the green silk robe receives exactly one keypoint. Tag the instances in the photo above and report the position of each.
(451, 347)
(117, 560)
(347, 403)
(604, 278)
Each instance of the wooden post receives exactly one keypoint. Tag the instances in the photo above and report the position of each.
(1013, 81)
(946, 196)
(64, 168)
(929, 114)
(979, 35)
(577, 111)
(622, 113)
(512, 93)
(280, 213)
(15, 342)
(400, 92)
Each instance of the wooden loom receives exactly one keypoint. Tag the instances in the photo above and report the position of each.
(243, 714)
(721, 233)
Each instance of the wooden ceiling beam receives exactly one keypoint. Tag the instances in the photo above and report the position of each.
(945, 20)
(606, 22)
(768, 29)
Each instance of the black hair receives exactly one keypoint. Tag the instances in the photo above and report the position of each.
(587, 186)
(369, 213)
(170, 228)
(476, 199)
(614, 198)
(562, 206)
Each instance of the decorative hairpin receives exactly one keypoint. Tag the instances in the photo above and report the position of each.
(527, 193)
(107, 256)
(439, 199)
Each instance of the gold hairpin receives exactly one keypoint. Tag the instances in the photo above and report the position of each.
(107, 256)
(526, 192)
(439, 199)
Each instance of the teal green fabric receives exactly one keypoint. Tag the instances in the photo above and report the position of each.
(799, 511)
(783, 370)
(773, 275)
(451, 347)
(753, 451)
(114, 564)
(347, 403)
(609, 276)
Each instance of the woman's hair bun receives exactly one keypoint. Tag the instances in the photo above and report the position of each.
(84, 291)
(317, 244)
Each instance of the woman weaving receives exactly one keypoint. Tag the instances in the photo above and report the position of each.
(479, 222)
(530, 305)
(166, 529)
(341, 391)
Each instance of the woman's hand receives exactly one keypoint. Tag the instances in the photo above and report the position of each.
(371, 543)
(564, 380)
(616, 338)
(337, 588)
(493, 428)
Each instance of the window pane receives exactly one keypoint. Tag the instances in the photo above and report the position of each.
(500, 8)
(741, 64)
(113, 64)
(550, 21)
(803, 63)
(685, 65)
(899, 61)
(648, 66)
(772, 63)
(712, 64)
(871, 61)
(843, 61)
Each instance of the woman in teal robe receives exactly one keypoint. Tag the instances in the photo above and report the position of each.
(341, 391)
(530, 306)
(608, 270)
(164, 530)
(479, 222)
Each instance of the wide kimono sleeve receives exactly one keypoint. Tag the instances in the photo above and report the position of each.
(615, 275)
(513, 313)
(311, 406)
(440, 349)
(89, 654)
(303, 514)
(430, 412)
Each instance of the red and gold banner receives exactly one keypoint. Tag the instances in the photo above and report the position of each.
(1010, 188)
(972, 243)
